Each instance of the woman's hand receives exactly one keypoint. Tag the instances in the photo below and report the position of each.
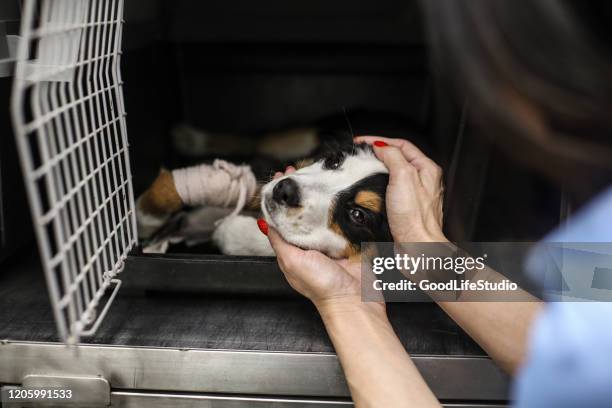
(316, 276)
(378, 370)
(327, 282)
(414, 193)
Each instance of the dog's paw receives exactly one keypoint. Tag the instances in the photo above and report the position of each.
(240, 235)
(148, 223)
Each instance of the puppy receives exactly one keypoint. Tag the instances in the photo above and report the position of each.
(332, 203)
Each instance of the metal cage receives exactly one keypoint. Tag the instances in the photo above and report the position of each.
(69, 120)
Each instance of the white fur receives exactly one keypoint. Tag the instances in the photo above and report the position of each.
(148, 223)
(240, 235)
(308, 226)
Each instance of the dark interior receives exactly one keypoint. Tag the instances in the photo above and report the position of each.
(251, 67)
(245, 69)
(240, 68)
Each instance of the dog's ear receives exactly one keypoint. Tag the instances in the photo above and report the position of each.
(333, 143)
(338, 139)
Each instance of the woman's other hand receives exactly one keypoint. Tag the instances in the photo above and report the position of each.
(316, 276)
(414, 193)
(328, 283)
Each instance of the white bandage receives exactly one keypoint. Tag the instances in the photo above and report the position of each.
(221, 184)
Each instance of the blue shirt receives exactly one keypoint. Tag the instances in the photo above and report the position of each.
(570, 349)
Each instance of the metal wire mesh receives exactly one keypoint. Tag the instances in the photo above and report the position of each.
(69, 121)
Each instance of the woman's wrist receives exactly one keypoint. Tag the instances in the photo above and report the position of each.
(420, 236)
(332, 308)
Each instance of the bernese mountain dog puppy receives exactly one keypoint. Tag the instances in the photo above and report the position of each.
(332, 203)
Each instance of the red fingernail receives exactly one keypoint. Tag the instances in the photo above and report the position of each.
(380, 143)
(263, 226)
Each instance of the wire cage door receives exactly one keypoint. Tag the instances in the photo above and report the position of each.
(69, 120)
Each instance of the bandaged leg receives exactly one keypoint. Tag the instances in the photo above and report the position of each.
(222, 184)
(155, 206)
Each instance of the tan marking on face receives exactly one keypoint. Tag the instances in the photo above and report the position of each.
(255, 202)
(351, 251)
(294, 211)
(336, 228)
(161, 198)
(303, 163)
(369, 200)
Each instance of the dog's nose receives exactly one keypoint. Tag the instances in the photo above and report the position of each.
(287, 192)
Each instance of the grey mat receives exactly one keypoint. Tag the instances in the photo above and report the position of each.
(158, 319)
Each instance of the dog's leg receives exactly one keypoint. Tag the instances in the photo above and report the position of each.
(155, 206)
(240, 235)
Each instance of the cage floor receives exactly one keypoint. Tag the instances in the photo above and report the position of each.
(179, 320)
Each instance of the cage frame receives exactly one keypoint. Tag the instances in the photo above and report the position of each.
(68, 115)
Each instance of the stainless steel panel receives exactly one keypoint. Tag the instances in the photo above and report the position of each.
(240, 372)
(90, 390)
(161, 400)
(123, 399)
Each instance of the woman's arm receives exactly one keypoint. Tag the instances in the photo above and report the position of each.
(500, 328)
(378, 369)
(414, 208)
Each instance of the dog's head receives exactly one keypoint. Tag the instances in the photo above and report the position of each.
(332, 203)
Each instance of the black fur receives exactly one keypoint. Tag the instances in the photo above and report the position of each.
(337, 148)
(376, 226)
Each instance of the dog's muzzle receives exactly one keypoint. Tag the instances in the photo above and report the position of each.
(286, 192)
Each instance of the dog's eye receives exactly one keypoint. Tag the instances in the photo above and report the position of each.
(357, 215)
(333, 162)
